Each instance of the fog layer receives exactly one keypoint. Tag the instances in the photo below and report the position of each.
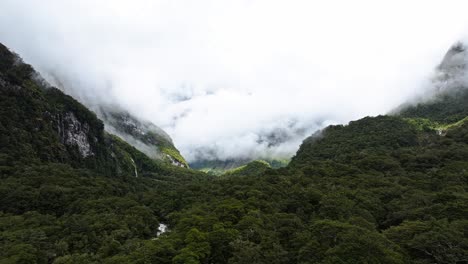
(237, 79)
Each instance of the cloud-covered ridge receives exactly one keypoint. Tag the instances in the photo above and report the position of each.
(236, 79)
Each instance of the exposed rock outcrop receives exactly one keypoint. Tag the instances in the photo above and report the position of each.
(73, 133)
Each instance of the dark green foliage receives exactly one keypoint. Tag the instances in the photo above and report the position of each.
(447, 107)
(379, 190)
(436, 241)
(253, 168)
(378, 135)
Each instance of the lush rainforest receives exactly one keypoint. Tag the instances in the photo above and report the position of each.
(385, 189)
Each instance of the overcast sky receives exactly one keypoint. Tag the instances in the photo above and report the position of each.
(220, 76)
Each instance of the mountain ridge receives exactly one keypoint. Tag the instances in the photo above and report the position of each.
(57, 127)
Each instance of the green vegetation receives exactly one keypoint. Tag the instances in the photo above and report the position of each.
(220, 167)
(447, 107)
(254, 168)
(380, 190)
(423, 124)
(428, 125)
(455, 124)
(174, 153)
(278, 163)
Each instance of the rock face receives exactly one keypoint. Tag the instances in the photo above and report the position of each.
(454, 59)
(175, 162)
(73, 133)
(451, 72)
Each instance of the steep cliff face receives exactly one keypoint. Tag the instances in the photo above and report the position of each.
(454, 62)
(73, 133)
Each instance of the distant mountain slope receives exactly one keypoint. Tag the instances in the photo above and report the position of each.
(145, 136)
(254, 168)
(219, 167)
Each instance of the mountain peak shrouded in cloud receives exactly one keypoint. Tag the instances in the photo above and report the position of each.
(444, 100)
(454, 60)
(235, 80)
(451, 75)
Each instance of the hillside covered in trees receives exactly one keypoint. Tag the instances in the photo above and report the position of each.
(385, 189)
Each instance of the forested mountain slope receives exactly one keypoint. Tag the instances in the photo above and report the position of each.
(42, 124)
(386, 189)
(55, 158)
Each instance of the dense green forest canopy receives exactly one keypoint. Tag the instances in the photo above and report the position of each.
(384, 189)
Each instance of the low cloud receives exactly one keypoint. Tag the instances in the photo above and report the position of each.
(236, 79)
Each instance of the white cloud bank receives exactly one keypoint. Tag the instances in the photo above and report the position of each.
(227, 78)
